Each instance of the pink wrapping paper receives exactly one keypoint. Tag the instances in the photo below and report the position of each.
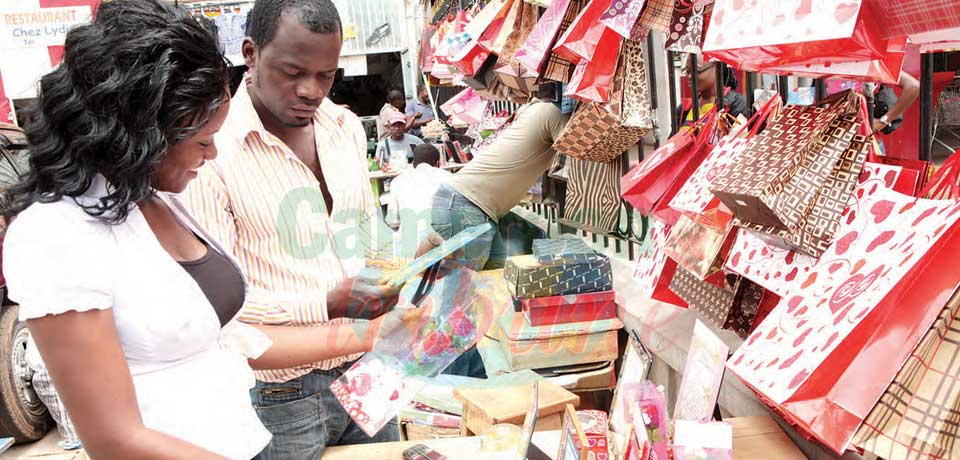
(535, 50)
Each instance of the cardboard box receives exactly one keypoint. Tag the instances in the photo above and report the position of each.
(531, 276)
(538, 347)
(485, 407)
(574, 308)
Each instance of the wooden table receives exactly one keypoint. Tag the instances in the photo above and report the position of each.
(753, 438)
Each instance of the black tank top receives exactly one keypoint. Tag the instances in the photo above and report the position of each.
(220, 281)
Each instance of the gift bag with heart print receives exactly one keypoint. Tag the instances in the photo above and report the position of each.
(874, 293)
(784, 270)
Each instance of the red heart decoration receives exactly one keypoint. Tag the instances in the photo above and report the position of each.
(881, 210)
(923, 216)
(845, 12)
(798, 379)
(793, 274)
(890, 178)
(881, 239)
(843, 244)
(792, 360)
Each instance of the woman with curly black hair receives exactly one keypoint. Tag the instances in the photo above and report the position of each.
(132, 306)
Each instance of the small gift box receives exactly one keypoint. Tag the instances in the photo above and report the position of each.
(545, 276)
(574, 308)
(594, 424)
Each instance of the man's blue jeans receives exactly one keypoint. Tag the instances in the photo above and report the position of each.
(304, 417)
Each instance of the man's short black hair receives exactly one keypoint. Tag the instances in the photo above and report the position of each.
(425, 153)
(318, 16)
(395, 95)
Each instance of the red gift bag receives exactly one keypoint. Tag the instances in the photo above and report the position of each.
(752, 35)
(700, 151)
(884, 70)
(495, 36)
(654, 270)
(908, 17)
(828, 351)
(583, 37)
(648, 183)
(591, 80)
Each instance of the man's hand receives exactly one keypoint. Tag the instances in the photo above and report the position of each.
(361, 298)
(878, 125)
(431, 241)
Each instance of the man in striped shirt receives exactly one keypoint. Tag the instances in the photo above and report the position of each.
(289, 194)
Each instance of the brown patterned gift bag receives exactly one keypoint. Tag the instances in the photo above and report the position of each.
(746, 305)
(593, 195)
(657, 15)
(918, 417)
(794, 180)
(711, 302)
(603, 132)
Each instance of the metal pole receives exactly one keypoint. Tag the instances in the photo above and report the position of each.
(671, 76)
(721, 84)
(749, 89)
(926, 106)
(694, 73)
(784, 86)
(820, 87)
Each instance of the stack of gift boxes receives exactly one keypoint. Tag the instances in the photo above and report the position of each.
(565, 311)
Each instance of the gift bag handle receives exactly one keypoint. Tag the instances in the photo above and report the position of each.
(760, 118)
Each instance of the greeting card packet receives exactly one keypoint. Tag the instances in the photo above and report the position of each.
(702, 440)
(702, 376)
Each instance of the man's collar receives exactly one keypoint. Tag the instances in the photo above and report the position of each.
(243, 115)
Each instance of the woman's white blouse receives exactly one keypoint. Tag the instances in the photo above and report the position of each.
(191, 377)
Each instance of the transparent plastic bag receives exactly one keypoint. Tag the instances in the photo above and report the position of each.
(423, 344)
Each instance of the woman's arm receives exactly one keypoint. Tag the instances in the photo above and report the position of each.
(298, 345)
(82, 353)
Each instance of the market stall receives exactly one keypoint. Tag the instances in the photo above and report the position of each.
(771, 228)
